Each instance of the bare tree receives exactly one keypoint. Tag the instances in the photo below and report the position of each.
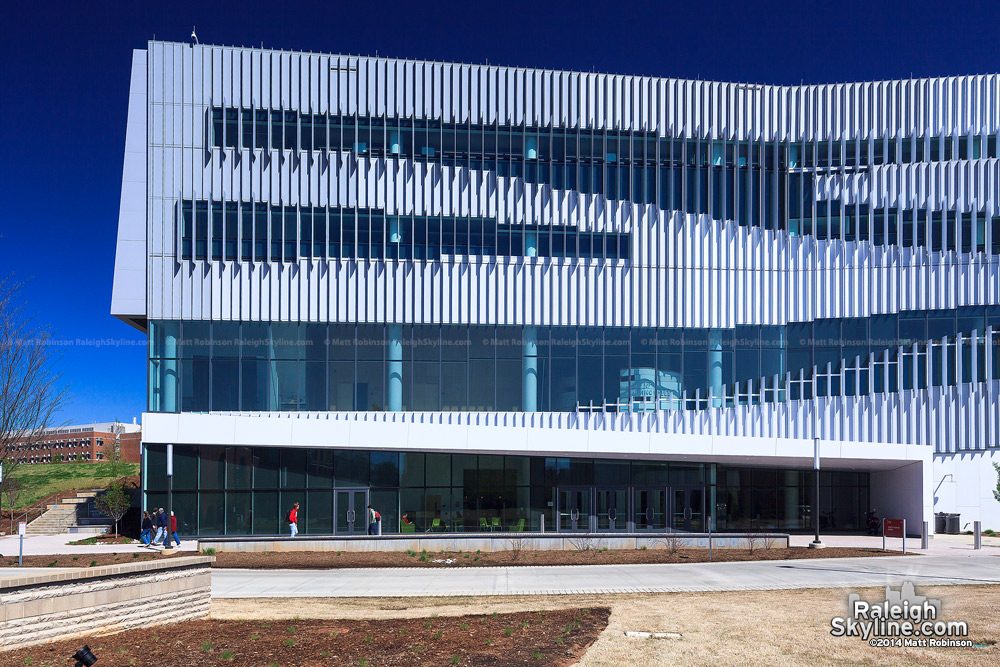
(10, 489)
(117, 466)
(517, 546)
(671, 542)
(30, 391)
(114, 502)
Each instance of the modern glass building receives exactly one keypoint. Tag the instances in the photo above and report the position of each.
(498, 299)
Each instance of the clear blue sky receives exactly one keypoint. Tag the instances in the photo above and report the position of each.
(64, 90)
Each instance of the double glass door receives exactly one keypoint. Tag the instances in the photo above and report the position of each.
(612, 509)
(650, 509)
(351, 510)
(639, 509)
(687, 509)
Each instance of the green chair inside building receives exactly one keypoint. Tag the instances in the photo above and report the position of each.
(483, 525)
(495, 523)
(436, 525)
(408, 528)
(517, 526)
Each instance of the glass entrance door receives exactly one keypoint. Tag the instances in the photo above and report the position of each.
(574, 509)
(612, 509)
(687, 509)
(351, 511)
(650, 509)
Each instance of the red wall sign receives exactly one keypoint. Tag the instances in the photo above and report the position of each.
(892, 528)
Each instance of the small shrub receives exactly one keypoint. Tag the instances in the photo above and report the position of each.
(464, 626)
(209, 551)
(489, 642)
(436, 635)
(291, 629)
(227, 655)
(206, 646)
(289, 642)
(324, 654)
(455, 660)
(368, 639)
(254, 637)
(508, 631)
(537, 655)
(363, 662)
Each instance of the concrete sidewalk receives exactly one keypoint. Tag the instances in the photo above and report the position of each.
(577, 579)
(51, 545)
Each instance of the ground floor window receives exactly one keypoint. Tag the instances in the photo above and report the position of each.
(248, 490)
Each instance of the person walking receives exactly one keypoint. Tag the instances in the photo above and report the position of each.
(164, 524)
(161, 530)
(293, 520)
(373, 519)
(147, 528)
(173, 528)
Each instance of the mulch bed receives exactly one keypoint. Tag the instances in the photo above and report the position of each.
(87, 560)
(327, 560)
(322, 560)
(557, 637)
(104, 539)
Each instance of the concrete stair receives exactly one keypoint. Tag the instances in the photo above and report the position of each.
(69, 515)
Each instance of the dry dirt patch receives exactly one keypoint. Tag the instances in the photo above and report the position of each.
(732, 628)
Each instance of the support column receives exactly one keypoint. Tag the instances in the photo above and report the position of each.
(530, 356)
(395, 368)
(715, 366)
(168, 386)
(792, 500)
(531, 244)
(531, 148)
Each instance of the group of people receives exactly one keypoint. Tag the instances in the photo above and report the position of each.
(166, 527)
(292, 517)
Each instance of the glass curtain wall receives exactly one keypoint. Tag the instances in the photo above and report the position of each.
(247, 490)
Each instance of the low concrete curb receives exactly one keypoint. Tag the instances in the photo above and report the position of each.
(489, 543)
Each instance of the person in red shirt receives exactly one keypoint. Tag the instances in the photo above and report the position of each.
(293, 519)
(173, 528)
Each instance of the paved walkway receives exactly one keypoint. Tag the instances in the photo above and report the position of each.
(49, 545)
(576, 579)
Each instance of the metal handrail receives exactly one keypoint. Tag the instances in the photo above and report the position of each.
(39, 507)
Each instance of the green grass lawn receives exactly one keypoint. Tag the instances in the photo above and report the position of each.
(43, 479)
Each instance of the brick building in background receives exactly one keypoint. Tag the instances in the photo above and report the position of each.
(93, 442)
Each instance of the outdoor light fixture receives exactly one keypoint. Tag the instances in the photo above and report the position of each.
(84, 658)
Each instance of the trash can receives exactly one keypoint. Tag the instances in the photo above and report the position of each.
(940, 522)
(952, 525)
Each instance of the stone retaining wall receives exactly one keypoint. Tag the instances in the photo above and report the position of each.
(39, 607)
(489, 543)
